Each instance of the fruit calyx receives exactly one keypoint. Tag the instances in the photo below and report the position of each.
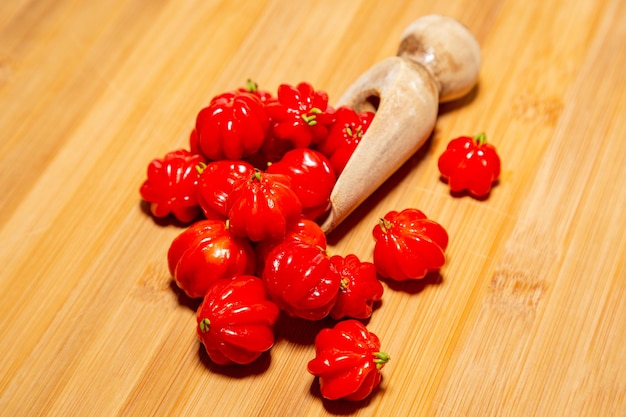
(385, 225)
(205, 325)
(480, 138)
(380, 359)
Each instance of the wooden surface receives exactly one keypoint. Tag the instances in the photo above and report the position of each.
(528, 317)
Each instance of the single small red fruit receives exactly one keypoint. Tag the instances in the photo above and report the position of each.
(305, 230)
(408, 245)
(216, 181)
(301, 280)
(312, 179)
(263, 207)
(470, 163)
(348, 361)
(170, 187)
(236, 320)
(344, 135)
(233, 126)
(300, 114)
(359, 289)
(206, 252)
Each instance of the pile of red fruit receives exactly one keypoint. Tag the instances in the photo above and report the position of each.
(258, 174)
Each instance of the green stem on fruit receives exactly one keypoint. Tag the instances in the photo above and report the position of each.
(205, 325)
(380, 359)
(309, 119)
(385, 225)
(480, 138)
(200, 168)
(251, 86)
(343, 285)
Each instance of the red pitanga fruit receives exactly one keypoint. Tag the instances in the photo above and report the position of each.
(305, 230)
(263, 207)
(216, 181)
(233, 126)
(470, 163)
(359, 289)
(236, 320)
(206, 252)
(344, 135)
(170, 187)
(408, 245)
(348, 361)
(301, 280)
(300, 114)
(312, 179)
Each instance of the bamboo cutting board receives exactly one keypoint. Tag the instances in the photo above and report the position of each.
(527, 318)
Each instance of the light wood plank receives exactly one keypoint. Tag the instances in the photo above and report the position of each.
(528, 317)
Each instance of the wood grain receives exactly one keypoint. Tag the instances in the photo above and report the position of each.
(528, 317)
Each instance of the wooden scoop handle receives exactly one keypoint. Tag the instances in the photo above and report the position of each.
(438, 60)
(447, 49)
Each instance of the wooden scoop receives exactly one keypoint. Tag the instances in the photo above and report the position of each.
(438, 60)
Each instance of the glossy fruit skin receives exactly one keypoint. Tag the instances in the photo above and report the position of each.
(170, 186)
(408, 245)
(359, 289)
(232, 126)
(470, 163)
(305, 230)
(301, 280)
(194, 143)
(236, 319)
(344, 135)
(300, 114)
(347, 361)
(272, 150)
(312, 179)
(263, 207)
(205, 252)
(216, 181)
